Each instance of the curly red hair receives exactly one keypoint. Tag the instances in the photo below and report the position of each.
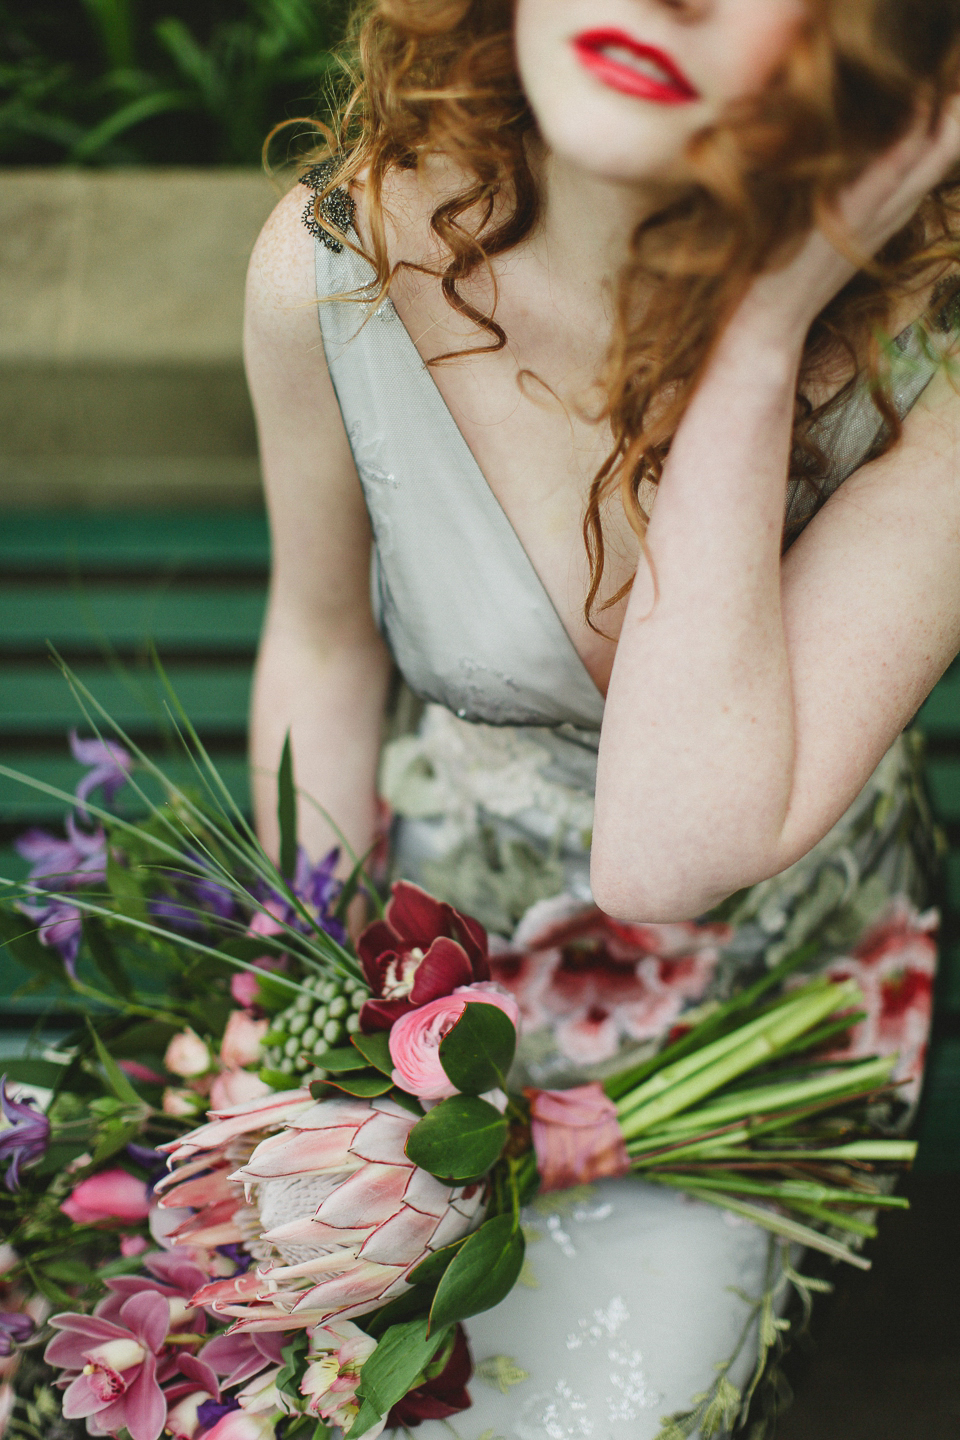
(430, 76)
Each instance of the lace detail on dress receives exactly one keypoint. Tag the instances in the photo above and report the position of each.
(337, 208)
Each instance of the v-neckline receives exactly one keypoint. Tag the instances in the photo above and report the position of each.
(491, 498)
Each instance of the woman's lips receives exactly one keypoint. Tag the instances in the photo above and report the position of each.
(616, 59)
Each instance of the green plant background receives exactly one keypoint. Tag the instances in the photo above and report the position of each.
(166, 82)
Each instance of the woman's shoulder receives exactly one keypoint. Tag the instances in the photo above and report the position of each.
(281, 279)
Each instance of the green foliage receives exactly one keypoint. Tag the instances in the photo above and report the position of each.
(395, 1367)
(459, 1139)
(478, 1052)
(287, 812)
(159, 81)
(482, 1274)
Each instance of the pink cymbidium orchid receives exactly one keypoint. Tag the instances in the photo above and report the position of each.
(111, 1377)
(330, 1205)
(421, 950)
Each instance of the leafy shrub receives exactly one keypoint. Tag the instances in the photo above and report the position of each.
(159, 81)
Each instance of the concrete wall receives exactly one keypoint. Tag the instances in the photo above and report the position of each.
(121, 301)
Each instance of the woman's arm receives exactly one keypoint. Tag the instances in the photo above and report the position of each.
(322, 670)
(751, 699)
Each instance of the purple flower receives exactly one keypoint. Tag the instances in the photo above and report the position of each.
(211, 1411)
(316, 886)
(56, 864)
(15, 1328)
(62, 864)
(26, 1138)
(111, 767)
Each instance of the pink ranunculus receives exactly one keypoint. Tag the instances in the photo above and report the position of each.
(242, 1040)
(109, 1195)
(187, 1055)
(415, 1038)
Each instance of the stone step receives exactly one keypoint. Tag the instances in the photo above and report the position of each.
(121, 378)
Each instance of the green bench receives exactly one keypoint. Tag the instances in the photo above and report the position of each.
(102, 586)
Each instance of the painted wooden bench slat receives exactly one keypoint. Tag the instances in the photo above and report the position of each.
(21, 805)
(35, 699)
(165, 540)
(222, 619)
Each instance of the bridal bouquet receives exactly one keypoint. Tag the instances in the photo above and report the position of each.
(261, 1186)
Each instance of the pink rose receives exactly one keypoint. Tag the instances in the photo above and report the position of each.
(240, 1045)
(415, 1038)
(244, 988)
(111, 1195)
(187, 1055)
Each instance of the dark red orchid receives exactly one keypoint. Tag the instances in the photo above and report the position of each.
(442, 1396)
(421, 950)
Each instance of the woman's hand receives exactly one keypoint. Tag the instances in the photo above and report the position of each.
(869, 213)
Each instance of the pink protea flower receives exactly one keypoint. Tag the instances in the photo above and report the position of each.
(111, 1368)
(337, 1351)
(330, 1206)
(108, 1195)
(421, 950)
(415, 1038)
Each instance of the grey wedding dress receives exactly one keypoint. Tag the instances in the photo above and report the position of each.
(633, 1296)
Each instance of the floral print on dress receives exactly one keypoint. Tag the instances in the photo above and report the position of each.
(597, 984)
(895, 966)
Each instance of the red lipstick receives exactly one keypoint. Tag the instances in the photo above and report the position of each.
(616, 59)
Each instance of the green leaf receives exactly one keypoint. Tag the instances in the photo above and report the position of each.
(114, 1137)
(33, 1072)
(375, 1049)
(19, 935)
(125, 889)
(287, 812)
(116, 1079)
(105, 958)
(338, 1062)
(477, 1053)
(459, 1139)
(71, 1272)
(397, 1363)
(432, 1270)
(413, 1304)
(279, 1080)
(351, 885)
(367, 1417)
(366, 1085)
(483, 1273)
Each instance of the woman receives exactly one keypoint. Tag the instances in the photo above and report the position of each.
(632, 241)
